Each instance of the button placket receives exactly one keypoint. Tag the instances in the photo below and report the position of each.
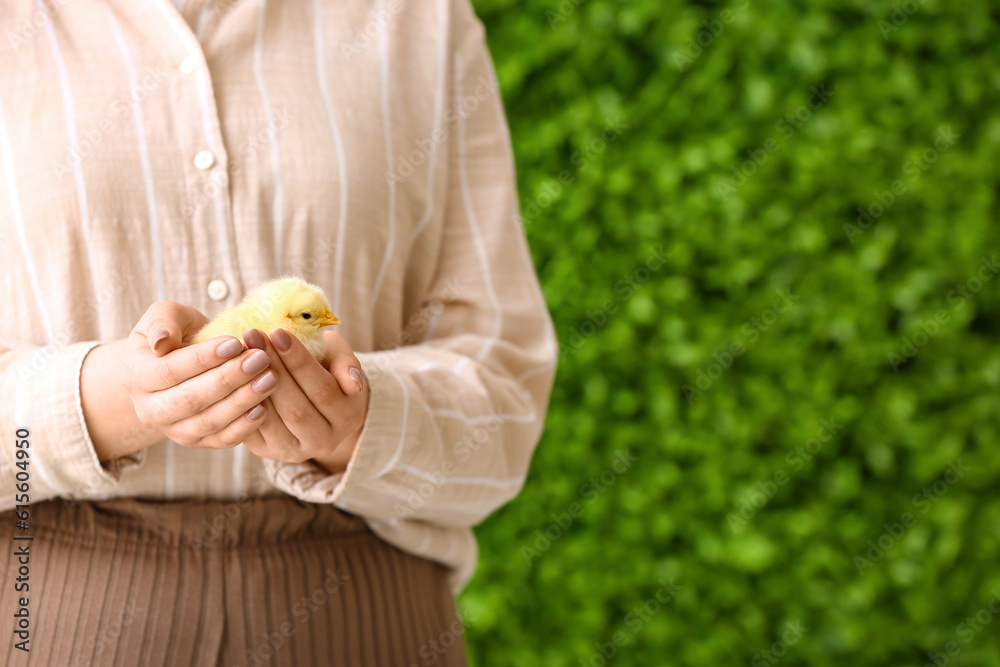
(208, 208)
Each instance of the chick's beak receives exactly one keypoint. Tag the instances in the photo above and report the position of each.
(328, 319)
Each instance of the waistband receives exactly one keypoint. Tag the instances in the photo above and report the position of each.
(249, 522)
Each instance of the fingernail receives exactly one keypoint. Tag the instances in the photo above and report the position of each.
(265, 382)
(281, 340)
(358, 377)
(255, 413)
(253, 338)
(229, 348)
(157, 337)
(256, 362)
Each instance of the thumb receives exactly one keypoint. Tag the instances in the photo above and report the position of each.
(349, 375)
(343, 365)
(166, 326)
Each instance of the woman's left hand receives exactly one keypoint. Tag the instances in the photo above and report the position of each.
(317, 412)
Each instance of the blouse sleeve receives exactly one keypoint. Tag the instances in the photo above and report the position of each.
(40, 392)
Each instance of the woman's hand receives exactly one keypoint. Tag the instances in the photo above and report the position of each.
(198, 395)
(318, 411)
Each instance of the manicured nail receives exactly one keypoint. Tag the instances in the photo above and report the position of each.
(265, 382)
(253, 338)
(229, 348)
(281, 340)
(358, 377)
(157, 337)
(255, 413)
(256, 362)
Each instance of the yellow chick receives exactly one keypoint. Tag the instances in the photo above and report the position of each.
(288, 303)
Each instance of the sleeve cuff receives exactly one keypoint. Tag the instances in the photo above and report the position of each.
(391, 422)
(42, 386)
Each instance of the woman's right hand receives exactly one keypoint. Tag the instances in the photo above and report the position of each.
(197, 395)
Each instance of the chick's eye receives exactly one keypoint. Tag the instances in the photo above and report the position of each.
(306, 316)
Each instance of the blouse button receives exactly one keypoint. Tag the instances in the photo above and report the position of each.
(189, 65)
(204, 160)
(218, 290)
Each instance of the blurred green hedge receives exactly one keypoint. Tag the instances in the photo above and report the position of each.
(808, 378)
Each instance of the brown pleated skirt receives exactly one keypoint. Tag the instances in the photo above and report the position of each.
(268, 581)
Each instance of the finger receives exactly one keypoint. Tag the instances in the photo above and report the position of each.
(335, 345)
(315, 381)
(296, 409)
(166, 325)
(241, 428)
(203, 391)
(346, 369)
(273, 440)
(154, 373)
(343, 364)
(254, 442)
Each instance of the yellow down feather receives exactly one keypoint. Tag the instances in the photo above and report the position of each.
(288, 303)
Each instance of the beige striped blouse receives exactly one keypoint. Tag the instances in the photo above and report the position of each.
(148, 153)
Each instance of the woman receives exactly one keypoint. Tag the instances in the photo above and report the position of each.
(185, 506)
